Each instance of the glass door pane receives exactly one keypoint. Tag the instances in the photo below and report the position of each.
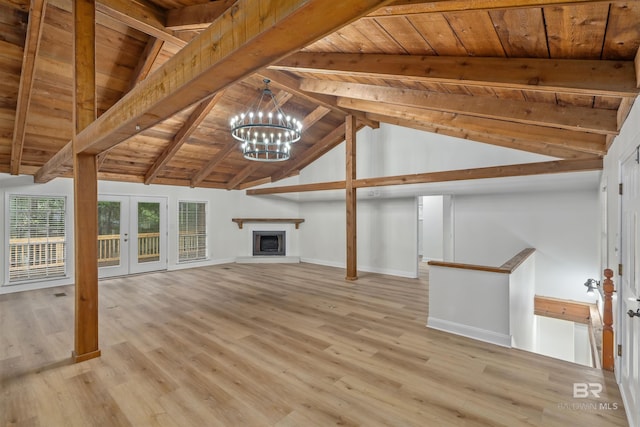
(113, 236)
(109, 214)
(148, 232)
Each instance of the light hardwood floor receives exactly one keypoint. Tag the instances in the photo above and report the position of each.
(275, 345)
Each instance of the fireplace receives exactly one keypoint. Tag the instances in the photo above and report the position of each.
(269, 243)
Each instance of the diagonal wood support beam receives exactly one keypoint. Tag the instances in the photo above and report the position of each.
(242, 175)
(197, 116)
(31, 48)
(221, 55)
(203, 173)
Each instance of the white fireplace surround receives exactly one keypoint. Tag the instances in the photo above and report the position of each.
(291, 244)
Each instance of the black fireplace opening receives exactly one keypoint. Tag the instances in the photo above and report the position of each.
(269, 243)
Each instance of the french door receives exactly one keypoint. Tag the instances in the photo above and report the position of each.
(132, 235)
(630, 288)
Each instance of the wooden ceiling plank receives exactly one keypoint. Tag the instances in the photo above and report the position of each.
(140, 15)
(543, 114)
(221, 55)
(576, 32)
(197, 116)
(521, 32)
(31, 49)
(204, 172)
(146, 62)
(411, 7)
(476, 32)
(623, 18)
(572, 76)
(196, 17)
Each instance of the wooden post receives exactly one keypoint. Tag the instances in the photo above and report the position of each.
(352, 236)
(85, 180)
(607, 330)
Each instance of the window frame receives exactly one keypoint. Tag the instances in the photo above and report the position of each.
(68, 241)
(206, 232)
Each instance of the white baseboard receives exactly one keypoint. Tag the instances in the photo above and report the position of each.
(469, 332)
(268, 259)
(323, 262)
(399, 273)
(196, 264)
(389, 272)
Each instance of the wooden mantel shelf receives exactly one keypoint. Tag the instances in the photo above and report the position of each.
(240, 221)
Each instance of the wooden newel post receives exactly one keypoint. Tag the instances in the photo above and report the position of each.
(607, 330)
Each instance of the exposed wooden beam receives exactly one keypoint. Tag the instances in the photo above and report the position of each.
(196, 17)
(147, 59)
(315, 116)
(85, 182)
(261, 181)
(190, 125)
(571, 76)
(299, 161)
(525, 169)
(235, 182)
(292, 84)
(300, 188)
(523, 136)
(221, 55)
(529, 145)
(140, 15)
(623, 111)
(204, 172)
(572, 311)
(351, 199)
(636, 63)
(31, 48)
(575, 118)
(409, 7)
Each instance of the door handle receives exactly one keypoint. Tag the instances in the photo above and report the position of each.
(633, 314)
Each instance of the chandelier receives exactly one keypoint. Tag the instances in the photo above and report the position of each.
(265, 131)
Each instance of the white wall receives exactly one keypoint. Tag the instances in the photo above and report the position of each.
(471, 303)
(386, 230)
(561, 226)
(562, 339)
(225, 240)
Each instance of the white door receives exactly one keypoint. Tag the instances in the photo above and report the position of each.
(629, 292)
(132, 235)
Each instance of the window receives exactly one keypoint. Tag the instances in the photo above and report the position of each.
(192, 231)
(37, 237)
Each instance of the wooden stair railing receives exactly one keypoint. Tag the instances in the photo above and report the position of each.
(607, 329)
